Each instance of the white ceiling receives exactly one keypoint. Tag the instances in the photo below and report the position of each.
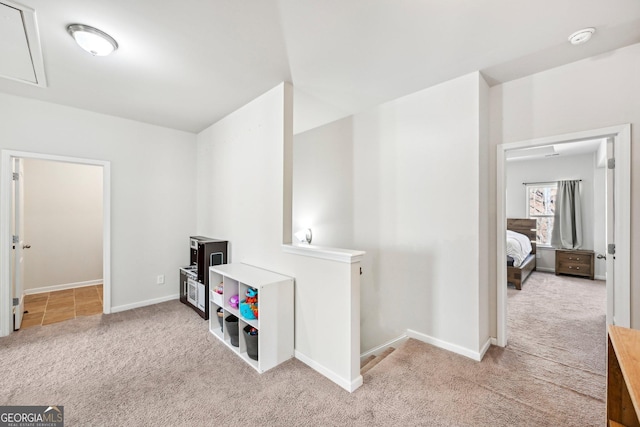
(188, 63)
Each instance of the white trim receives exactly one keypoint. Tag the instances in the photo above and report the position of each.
(395, 343)
(471, 354)
(332, 254)
(599, 277)
(501, 237)
(106, 237)
(622, 152)
(144, 303)
(493, 341)
(6, 309)
(567, 137)
(350, 386)
(62, 287)
(485, 348)
(622, 221)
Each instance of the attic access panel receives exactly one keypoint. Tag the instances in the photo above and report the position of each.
(20, 51)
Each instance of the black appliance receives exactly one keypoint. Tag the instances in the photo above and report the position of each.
(194, 280)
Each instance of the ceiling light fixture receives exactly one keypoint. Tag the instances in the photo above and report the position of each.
(94, 41)
(581, 36)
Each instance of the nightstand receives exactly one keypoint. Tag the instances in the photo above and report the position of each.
(575, 262)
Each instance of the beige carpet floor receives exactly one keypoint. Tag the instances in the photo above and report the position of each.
(158, 366)
(562, 318)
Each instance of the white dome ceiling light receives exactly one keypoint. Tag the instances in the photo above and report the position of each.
(581, 36)
(94, 41)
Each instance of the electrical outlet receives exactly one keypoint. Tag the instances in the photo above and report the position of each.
(160, 279)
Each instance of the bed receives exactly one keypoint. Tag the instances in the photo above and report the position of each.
(520, 260)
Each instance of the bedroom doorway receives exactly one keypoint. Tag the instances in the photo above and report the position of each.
(617, 218)
(7, 297)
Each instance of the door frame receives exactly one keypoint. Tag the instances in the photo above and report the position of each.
(622, 219)
(17, 228)
(6, 157)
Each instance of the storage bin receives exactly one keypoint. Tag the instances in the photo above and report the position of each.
(217, 298)
(252, 342)
(231, 322)
(220, 314)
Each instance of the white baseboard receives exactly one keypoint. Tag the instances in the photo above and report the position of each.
(485, 348)
(600, 277)
(144, 303)
(346, 384)
(475, 355)
(381, 348)
(62, 287)
(494, 341)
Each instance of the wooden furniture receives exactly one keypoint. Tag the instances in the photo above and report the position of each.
(275, 315)
(517, 275)
(623, 377)
(575, 262)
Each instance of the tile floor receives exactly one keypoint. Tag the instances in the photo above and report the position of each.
(57, 306)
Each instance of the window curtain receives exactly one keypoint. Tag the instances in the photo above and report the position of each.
(567, 223)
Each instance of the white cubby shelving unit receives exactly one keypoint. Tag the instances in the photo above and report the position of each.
(275, 311)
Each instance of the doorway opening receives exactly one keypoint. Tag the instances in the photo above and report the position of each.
(12, 279)
(618, 222)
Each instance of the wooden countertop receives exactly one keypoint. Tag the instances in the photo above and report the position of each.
(626, 344)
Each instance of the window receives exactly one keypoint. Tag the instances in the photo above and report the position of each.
(541, 205)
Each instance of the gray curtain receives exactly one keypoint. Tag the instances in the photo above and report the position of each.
(567, 223)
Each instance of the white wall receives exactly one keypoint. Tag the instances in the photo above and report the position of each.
(420, 210)
(62, 223)
(417, 213)
(593, 93)
(555, 169)
(323, 183)
(244, 164)
(152, 179)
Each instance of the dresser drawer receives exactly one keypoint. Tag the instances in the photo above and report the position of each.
(576, 263)
(573, 258)
(571, 268)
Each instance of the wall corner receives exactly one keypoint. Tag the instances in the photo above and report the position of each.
(287, 158)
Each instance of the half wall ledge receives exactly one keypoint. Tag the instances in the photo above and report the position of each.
(333, 254)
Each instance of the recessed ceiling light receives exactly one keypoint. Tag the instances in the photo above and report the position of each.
(94, 41)
(581, 36)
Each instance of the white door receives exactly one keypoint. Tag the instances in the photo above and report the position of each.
(18, 242)
(610, 218)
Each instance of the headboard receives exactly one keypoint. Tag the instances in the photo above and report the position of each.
(524, 226)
